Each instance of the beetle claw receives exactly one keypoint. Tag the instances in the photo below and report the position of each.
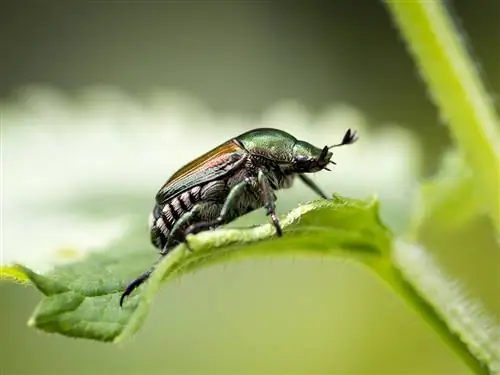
(135, 284)
(185, 242)
(276, 222)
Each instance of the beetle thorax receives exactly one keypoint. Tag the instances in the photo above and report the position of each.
(272, 144)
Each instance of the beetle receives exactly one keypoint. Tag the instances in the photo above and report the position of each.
(233, 179)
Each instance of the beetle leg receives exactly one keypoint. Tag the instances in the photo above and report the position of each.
(135, 284)
(312, 186)
(269, 205)
(145, 276)
(183, 220)
(232, 197)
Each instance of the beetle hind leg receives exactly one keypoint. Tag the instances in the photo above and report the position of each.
(203, 226)
(135, 284)
(234, 194)
(176, 235)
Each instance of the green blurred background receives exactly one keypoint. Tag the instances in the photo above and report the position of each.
(239, 59)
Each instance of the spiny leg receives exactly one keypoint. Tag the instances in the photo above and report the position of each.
(232, 197)
(145, 276)
(269, 205)
(136, 283)
(312, 186)
(184, 219)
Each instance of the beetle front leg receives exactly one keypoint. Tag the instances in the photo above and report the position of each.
(269, 205)
(232, 197)
(310, 184)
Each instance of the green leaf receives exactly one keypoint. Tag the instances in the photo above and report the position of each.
(13, 273)
(81, 299)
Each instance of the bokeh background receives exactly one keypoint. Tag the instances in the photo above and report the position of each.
(102, 100)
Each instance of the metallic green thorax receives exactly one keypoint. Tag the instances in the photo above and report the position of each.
(231, 180)
(278, 145)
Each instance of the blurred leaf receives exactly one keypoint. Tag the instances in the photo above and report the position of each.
(81, 299)
(13, 273)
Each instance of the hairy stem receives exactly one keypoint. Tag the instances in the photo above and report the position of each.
(455, 85)
(461, 323)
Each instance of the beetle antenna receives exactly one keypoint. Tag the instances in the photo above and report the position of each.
(350, 137)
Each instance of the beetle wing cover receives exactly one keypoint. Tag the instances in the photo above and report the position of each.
(210, 166)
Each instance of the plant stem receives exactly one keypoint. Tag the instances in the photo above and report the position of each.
(406, 290)
(461, 322)
(454, 83)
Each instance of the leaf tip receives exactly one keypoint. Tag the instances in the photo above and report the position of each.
(44, 284)
(31, 322)
(13, 273)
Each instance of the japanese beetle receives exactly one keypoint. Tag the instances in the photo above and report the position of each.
(235, 178)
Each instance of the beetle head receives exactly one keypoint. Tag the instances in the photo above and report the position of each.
(308, 158)
(290, 154)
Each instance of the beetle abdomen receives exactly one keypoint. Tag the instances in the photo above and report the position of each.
(164, 216)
